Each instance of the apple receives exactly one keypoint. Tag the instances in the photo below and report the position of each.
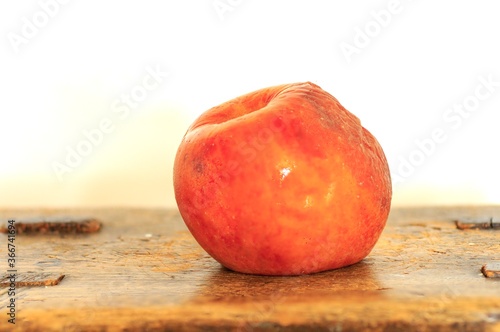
(282, 181)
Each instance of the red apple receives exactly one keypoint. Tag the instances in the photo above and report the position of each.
(282, 181)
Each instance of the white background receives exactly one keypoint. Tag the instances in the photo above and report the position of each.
(65, 66)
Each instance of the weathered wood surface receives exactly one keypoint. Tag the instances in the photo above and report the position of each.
(144, 272)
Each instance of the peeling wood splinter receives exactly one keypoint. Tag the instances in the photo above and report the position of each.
(478, 223)
(32, 279)
(495, 222)
(55, 225)
(491, 270)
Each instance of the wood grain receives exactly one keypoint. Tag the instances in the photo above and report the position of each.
(144, 272)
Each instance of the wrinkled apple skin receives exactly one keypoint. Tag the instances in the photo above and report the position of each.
(282, 181)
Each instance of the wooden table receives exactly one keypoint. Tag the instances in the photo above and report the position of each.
(144, 272)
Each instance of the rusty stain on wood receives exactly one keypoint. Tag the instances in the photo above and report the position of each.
(491, 270)
(31, 279)
(55, 225)
(475, 223)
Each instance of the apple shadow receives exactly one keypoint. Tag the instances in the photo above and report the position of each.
(224, 285)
